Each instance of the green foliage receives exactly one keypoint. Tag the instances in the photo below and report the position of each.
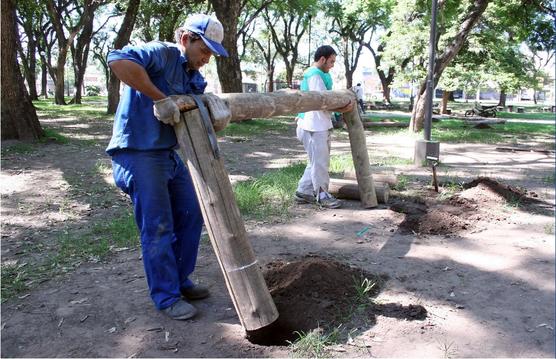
(92, 90)
(313, 344)
(71, 249)
(257, 126)
(269, 195)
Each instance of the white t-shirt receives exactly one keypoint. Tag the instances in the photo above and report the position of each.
(358, 92)
(315, 120)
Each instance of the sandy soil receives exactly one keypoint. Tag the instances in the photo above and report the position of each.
(470, 275)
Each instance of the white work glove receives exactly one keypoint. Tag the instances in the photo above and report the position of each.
(220, 114)
(167, 111)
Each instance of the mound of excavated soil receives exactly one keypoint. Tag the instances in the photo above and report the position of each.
(463, 211)
(430, 217)
(484, 189)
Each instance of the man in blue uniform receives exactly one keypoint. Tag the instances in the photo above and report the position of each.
(145, 164)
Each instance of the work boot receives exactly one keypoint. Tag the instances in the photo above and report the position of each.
(196, 292)
(326, 200)
(304, 198)
(180, 310)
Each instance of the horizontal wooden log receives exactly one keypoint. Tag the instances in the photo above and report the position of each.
(348, 189)
(385, 124)
(271, 104)
(388, 178)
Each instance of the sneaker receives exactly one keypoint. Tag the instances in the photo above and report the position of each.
(196, 292)
(328, 201)
(180, 310)
(304, 198)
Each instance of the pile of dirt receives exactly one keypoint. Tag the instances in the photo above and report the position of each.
(426, 216)
(463, 211)
(485, 189)
(310, 293)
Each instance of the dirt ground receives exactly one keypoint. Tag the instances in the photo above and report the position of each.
(470, 274)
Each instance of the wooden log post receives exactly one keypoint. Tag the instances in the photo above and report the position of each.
(264, 105)
(226, 229)
(348, 189)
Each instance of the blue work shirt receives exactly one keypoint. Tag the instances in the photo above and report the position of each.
(135, 126)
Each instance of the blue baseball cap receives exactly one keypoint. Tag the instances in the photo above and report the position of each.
(210, 30)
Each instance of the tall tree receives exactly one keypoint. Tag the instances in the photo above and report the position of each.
(465, 21)
(19, 118)
(263, 43)
(122, 39)
(291, 19)
(351, 21)
(235, 26)
(80, 48)
(29, 18)
(60, 13)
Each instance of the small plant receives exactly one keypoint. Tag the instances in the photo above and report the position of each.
(549, 179)
(449, 350)
(401, 185)
(313, 344)
(549, 228)
(363, 289)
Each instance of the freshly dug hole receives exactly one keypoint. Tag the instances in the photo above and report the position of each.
(309, 293)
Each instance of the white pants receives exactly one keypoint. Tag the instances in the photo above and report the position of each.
(317, 146)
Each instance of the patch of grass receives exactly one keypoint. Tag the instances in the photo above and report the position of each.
(23, 148)
(455, 131)
(50, 135)
(401, 185)
(364, 288)
(257, 126)
(94, 107)
(341, 163)
(529, 115)
(270, 194)
(549, 179)
(71, 250)
(18, 149)
(313, 344)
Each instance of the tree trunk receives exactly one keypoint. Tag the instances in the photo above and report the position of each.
(502, 100)
(19, 118)
(229, 68)
(44, 81)
(121, 40)
(270, 79)
(445, 98)
(469, 22)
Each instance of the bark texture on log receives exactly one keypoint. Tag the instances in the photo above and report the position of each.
(348, 189)
(360, 157)
(264, 105)
(224, 224)
(248, 105)
(390, 179)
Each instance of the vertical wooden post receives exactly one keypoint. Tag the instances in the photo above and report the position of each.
(360, 157)
(224, 224)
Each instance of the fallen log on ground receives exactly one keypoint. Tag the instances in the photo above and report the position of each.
(390, 179)
(348, 189)
(385, 124)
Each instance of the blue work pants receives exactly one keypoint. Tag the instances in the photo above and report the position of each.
(167, 214)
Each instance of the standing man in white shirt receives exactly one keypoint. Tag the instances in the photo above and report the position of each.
(313, 130)
(359, 93)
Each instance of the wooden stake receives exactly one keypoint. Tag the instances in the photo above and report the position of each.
(224, 224)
